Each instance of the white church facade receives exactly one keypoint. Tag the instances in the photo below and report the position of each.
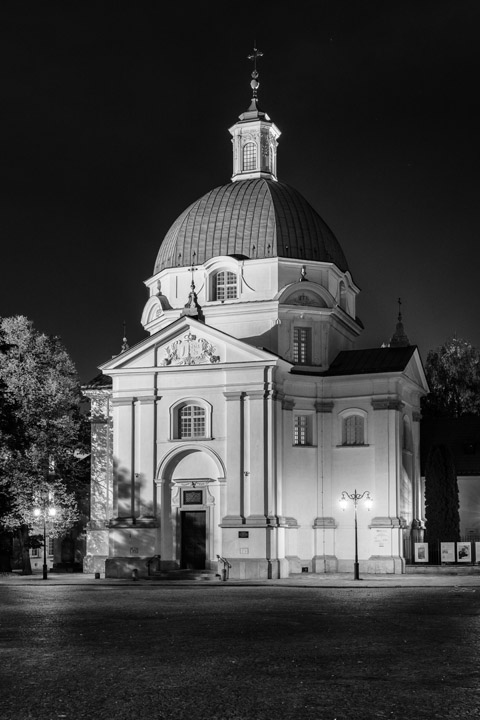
(233, 428)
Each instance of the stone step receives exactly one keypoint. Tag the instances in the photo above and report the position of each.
(199, 575)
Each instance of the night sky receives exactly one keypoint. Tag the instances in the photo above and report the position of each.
(115, 118)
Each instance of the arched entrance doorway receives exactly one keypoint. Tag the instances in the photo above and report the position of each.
(191, 483)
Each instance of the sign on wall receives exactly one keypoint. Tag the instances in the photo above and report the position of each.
(381, 538)
(421, 552)
(447, 552)
(464, 552)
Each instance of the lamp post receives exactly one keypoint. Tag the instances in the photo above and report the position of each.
(356, 497)
(45, 510)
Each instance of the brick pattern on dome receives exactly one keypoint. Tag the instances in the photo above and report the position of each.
(257, 218)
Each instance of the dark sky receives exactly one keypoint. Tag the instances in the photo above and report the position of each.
(115, 117)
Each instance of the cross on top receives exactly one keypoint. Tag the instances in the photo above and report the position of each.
(256, 54)
(192, 270)
(254, 84)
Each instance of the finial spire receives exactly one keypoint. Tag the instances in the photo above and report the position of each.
(255, 136)
(125, 345)
(399, 337)
(192, 307)
(254, 84)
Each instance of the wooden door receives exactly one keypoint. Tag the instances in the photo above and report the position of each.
(194, 536)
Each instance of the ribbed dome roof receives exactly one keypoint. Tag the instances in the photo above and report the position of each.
(252, 218)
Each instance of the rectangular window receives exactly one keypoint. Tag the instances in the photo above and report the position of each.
(35, 552)
(301, 430)
(302, 345)
(50, 546)
(226, 285)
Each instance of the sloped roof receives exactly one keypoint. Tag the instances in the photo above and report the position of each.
(373, 360)
(99, 382)
(257, 218)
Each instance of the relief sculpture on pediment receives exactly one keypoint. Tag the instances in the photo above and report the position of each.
(190, 350)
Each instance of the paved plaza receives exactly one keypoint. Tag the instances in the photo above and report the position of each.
(314, 648)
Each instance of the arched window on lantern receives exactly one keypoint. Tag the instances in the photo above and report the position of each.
(249, 157)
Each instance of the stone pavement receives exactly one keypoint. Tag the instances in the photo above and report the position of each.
(448, 577)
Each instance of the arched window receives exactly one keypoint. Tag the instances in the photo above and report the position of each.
(225, 285)
(342, 296)
(249, 157)
(191, 422)
(353, 430)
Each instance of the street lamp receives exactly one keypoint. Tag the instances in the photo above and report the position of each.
(45, 510)
(356, 497)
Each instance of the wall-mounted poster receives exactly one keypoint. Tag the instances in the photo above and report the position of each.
(421, 552)
(447, 552)
(477, 552)
(464, 552)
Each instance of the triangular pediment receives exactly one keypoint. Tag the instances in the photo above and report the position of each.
(415, 372)
(188, 343)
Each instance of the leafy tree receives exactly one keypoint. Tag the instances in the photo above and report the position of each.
(441, 496)
(453, 374)
(42, 431)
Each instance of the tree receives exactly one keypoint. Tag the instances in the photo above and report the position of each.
(42, 431)
(453, 374)
(441, 496)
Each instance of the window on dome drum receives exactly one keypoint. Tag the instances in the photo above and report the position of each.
(191, 422)
(225, 285)
(301, 430)
(353, 430)
(302, 345)
(249, 157)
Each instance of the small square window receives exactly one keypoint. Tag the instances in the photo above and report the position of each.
(225, 285)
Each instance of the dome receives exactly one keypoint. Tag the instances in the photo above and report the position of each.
(254, 218)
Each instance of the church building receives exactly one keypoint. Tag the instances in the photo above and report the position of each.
(232, 430)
